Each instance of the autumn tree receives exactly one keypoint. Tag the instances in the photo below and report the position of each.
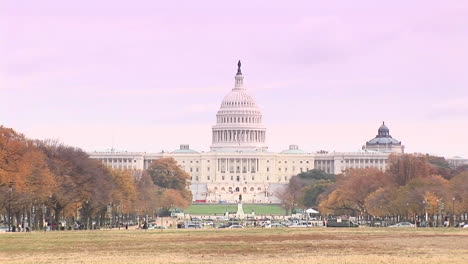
(352, 189)
(403, 168)
(149, 196)
(81, 181)
(167, 175)
(458, 189)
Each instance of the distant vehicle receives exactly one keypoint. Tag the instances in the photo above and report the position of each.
(274, 225)
(208, 223)
(193, 226)
(341, 223)
(235, 226)
(3, 229)
(301, 224)
(224, 226)
(465, 226)
(403, 224)
(156, 227)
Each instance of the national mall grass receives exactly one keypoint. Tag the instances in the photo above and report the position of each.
(260, 246)
(220, 209)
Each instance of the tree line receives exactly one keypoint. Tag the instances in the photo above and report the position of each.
(412, 187)
(48, 183)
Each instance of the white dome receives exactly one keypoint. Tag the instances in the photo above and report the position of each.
(238, 99)
(239, 121)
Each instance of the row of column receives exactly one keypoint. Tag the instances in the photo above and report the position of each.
(224, 165)
(238, 136)
(239, 119)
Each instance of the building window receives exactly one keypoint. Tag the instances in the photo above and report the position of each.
(268, 178)
(196, 169)
(268, 169)
(223, 180)
(232, 178)
(191, 161)
(285, 178)
(208, 177)
(252, 189)
(196, 178)
(208, 168)
(191, 169)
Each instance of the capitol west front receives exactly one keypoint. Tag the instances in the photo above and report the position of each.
(239, 161)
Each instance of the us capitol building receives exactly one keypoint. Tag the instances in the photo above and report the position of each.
(239, 161)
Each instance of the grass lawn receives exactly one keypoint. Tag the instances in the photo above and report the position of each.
(220, 209)
(249, 245)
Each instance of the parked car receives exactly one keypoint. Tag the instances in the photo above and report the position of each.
(156, 227)
(193, 226)
(235, 226)
(465, 226)
(3, 229)
(274, 225)
(224, 226)
(301, 224)
(403, 224)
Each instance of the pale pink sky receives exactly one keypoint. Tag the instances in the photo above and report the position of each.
(150, 75)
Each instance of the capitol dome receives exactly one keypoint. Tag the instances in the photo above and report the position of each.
(238, 121)
(239, 99)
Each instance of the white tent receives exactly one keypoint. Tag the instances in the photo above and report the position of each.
(311, 211)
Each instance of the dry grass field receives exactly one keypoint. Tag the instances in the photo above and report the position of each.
(286, 245)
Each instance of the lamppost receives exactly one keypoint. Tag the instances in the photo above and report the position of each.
(10, 191)
(426, 205)
(407, 213)
(453, 211)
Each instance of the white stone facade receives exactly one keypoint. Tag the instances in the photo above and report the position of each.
(238, 161)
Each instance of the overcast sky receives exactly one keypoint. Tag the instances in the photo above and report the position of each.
(150, 75)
